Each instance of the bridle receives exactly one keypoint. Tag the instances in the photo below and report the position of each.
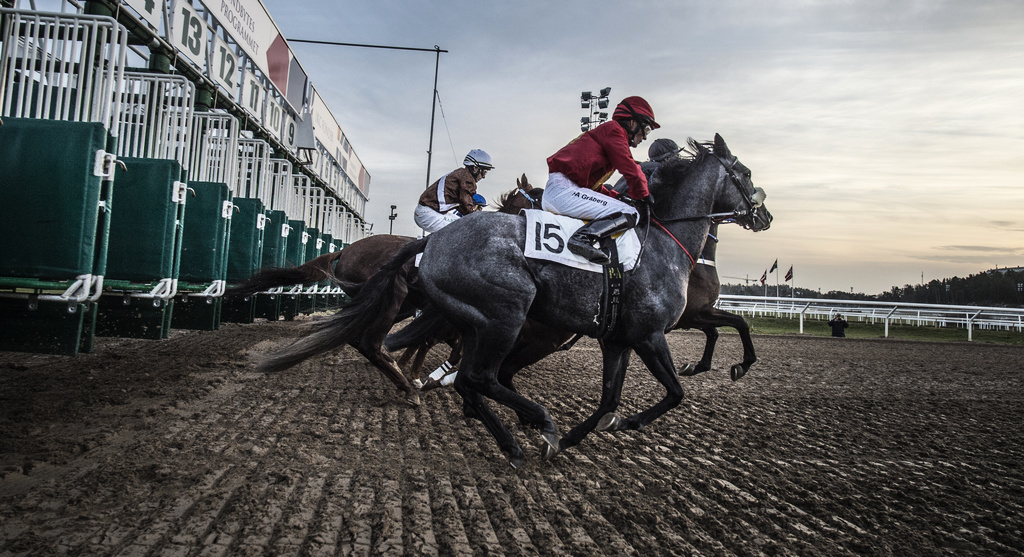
(753, 199)
(526, 194)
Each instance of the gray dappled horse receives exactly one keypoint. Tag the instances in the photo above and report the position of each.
(475, 272)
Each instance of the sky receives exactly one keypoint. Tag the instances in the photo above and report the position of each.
(889, 136)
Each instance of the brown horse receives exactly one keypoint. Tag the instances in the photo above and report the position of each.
(352, 266)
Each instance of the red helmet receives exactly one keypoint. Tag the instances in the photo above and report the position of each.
(637, 108)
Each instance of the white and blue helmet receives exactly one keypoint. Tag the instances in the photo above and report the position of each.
(478, 157)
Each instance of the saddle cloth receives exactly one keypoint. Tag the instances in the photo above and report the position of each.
(547, 236)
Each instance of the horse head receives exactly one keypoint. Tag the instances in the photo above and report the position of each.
(733, 199)
(750, 212)
(525, 196)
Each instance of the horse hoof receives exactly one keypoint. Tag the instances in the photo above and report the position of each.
(611, 422)
(737, 372)
(688, 370)
(413, 398)
(551, 445)
(416, 384)
(430, 385)
(516, 463)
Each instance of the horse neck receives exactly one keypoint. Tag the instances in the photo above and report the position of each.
(694, 197)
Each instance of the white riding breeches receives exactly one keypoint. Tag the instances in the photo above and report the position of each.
(432, 221)
(563, 197)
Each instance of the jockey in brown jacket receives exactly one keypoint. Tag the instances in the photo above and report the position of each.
(452, 195)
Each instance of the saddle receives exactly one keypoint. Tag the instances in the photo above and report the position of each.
(547, 236)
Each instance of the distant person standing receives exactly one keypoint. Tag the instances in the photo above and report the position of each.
(838, 325)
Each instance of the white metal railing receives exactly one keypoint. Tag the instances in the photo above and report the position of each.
(254, 170)
(61, 66)
(156, 114)
(899, 313)
(214, 148)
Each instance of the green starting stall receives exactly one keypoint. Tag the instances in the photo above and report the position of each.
(245, 251)
(213, 164)
(148, 213)
(58, 78)
(201, 200)
(282, 202)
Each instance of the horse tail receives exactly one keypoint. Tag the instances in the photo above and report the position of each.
(420, 330)
(363, 312)
(315, 270)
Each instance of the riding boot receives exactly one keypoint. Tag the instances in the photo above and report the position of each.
(586, 242)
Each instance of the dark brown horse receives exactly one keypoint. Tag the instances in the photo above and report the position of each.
(352, 266)
(703, 292)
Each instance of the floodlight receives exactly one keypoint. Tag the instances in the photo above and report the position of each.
(606, 91)
(586, 96)
(602, 102)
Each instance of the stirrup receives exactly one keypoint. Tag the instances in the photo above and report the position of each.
(587, 251)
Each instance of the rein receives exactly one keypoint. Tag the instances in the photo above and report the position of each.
(693, 262)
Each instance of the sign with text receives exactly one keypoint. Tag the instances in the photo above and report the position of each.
(189, 33)
(254, 95)
(225, 68)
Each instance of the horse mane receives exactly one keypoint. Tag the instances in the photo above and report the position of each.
(505, 201)
(675, 170)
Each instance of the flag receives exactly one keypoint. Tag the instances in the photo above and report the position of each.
(774, 266)
(789, 274)
(764, 278)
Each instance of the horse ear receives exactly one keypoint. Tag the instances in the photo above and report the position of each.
(524, 184)
(721, 149)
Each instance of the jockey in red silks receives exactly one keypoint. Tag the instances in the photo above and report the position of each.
(451, 196)
(577, 173)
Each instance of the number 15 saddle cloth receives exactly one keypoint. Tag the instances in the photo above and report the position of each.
(547, 236)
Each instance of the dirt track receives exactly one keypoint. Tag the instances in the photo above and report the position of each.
(828, 447)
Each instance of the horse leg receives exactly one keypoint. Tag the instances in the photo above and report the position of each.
(417, 364)
(656, 356)
(444, 375)
(711, 339)
(483, 354)
(406, 356)
(534, 343)
(375, 353)
(737, 322)
(372, 347)
(616, 358)
(720, 318)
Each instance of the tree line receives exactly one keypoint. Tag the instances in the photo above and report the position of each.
(999, 288)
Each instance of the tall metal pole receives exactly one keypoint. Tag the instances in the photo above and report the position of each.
(433, 100)
(433, 108)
